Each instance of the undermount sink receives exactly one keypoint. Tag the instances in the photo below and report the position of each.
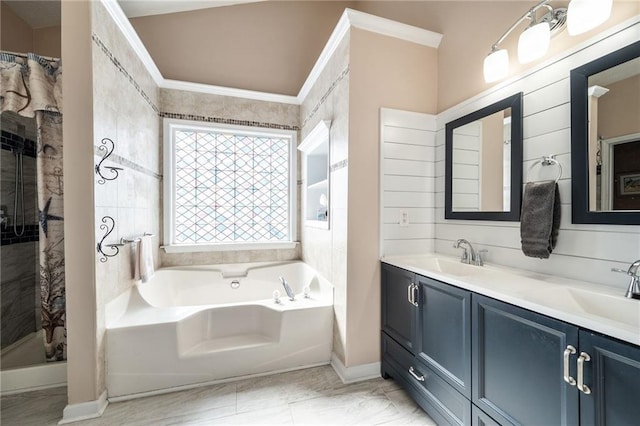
(450, 267)
(614, 308)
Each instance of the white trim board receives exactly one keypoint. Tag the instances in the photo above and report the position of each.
(354, 374)
(84, 410)
(37, 377)
(350, 18)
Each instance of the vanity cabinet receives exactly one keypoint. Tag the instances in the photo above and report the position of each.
(444, 332)
(469, 359)
(612, 375)
(426, 342)
(398, 316)
(518, 365)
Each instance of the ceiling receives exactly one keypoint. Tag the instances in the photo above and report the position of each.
(136, 8)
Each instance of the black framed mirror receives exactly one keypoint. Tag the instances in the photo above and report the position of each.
(605, 139)
(483, 163)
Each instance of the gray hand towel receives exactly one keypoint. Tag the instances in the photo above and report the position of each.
(540, 218)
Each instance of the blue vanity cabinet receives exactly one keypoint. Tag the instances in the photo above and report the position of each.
(398, 314)
(444, 332)
(612, 376)
(425, 326)
(517, 364)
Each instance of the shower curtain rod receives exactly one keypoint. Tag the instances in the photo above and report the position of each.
(24, 55)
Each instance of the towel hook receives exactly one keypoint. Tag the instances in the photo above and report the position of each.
(548, 160)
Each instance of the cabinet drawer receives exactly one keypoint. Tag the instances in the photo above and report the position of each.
(396, 355)
(442, 402)
(452, 404)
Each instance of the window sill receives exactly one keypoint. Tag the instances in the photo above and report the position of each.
(194, 248)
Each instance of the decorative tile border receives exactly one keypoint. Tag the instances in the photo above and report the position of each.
(124, 72)
(118, 159)
(324, 97)
(220, 120)
(12, 142)
(31, 233)
(339, 165)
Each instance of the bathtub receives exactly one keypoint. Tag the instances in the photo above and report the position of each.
(194, 325)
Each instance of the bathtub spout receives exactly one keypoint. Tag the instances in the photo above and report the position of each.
(288, 289)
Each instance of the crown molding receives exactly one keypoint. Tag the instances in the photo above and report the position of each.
(228, 91)
(365, 21)
(349, 18)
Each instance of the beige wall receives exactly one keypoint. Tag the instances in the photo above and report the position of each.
(82, 374)
(385, 72)
(492, 147)
(46, 41)
(326, 250)
(17, 36)
(619, 109)
(470, 28)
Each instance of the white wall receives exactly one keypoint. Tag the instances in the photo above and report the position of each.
(407, 185)
(583, 252)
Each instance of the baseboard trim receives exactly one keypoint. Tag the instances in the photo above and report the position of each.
(84, 410)
(44, 376)
(356, 373)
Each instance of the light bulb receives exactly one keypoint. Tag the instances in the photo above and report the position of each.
(496, 65)
(534, 42)
(584, 15)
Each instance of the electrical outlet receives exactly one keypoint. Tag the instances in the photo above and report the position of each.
(404, 218)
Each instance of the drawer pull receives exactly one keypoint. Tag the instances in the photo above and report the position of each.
(411, 295)
(567, 353)
(412, 371)
(581, 386)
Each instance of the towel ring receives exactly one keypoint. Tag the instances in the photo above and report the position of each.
(547, 161)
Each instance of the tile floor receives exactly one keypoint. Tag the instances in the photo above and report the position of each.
(314, 396)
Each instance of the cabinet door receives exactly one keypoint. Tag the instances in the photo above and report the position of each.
(613, 377)
(398, 314)
(518, 365)
(444, 332)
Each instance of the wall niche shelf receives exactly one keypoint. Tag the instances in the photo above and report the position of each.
(315, 169)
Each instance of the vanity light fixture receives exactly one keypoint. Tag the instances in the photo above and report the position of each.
(581, 16)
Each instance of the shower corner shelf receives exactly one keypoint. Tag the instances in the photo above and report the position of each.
(315, 166)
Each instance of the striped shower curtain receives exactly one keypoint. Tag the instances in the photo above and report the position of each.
(32, 87)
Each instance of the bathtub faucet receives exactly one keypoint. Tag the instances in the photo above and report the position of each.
(288, 289)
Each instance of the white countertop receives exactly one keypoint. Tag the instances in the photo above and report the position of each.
(599, 308)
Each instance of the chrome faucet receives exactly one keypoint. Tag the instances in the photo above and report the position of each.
(288, 289)
(470, 256)
(633, 291)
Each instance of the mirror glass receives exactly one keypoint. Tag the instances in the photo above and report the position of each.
(484, 163)
(605, 126)
(614, 138)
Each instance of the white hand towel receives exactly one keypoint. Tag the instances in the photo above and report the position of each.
(145, 258)
(135, 260)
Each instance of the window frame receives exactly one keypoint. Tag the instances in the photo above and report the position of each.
(170, 125)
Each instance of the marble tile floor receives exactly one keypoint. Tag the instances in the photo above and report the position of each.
(314, 396)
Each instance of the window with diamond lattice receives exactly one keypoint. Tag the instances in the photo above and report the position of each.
(230, 185)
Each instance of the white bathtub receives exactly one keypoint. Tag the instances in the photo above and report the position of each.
(196, 325)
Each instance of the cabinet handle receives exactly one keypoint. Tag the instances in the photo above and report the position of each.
(567, 353)
(412, 371)
(413, 295)
(581, 359)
